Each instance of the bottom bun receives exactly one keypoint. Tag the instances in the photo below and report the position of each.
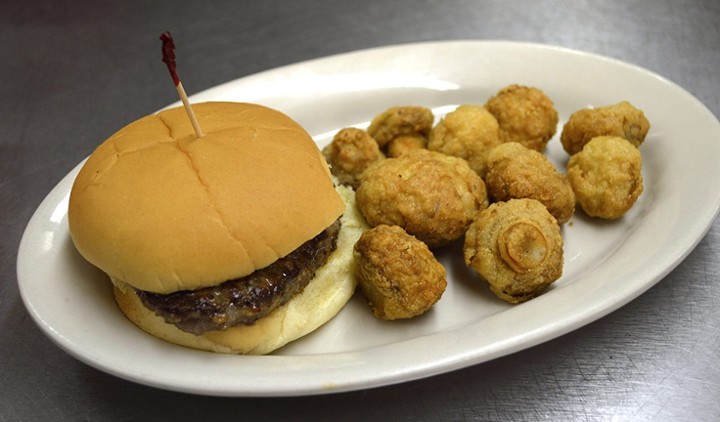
(325, 295)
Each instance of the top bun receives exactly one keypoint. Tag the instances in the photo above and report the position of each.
(163, 210)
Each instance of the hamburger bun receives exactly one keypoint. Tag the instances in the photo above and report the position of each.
(161, 210)
(164, 211)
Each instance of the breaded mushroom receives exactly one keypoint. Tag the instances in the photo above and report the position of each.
(434, 197)
(515, 171)
(525, 115)
(606, 176)
(517, 247)
(404, 144)
(397, 121)
(468, 132)
(397, 274)
(622, 119)
(351, 151)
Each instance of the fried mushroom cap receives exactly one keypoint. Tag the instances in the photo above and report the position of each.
(397, 273)
(606, 176)
(351, 151)
(405, 143)
(622, 120)
(517, 247)
(397, 121)
(434, 197)
(525, 115)
(515, 171)
(468, 132)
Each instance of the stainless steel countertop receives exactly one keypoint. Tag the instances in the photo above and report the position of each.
(74, 72)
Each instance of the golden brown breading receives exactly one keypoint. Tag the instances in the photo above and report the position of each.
(396, 121)
(351, 151)
(397, 273)
(516, 246)
(468, 132)
(404, 144)
(525, 115)
(621, 119)
(432, 196)
(515, 171)
(606, 176)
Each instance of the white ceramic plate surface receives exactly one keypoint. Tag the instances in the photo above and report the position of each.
(607, 264)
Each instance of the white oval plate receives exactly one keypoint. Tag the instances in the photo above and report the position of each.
(606, 264)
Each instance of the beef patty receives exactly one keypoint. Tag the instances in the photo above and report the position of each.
(244, 300)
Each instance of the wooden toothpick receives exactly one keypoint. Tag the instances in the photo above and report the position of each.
(168, 56)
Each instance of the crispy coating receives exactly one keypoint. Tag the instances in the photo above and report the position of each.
(606, 176)
(468, 132)
(434, 197)
(621, 119)
(397, 273)
(351, 151)
(516, 246)
(404, 144)
(525, 115)
(396, 121)
(515, 171)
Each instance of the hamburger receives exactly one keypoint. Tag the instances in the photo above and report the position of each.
(234, 242)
